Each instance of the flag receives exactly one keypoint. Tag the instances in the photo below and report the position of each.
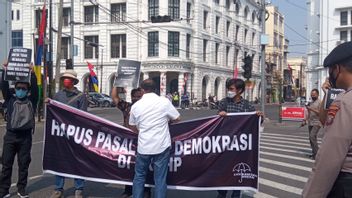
(40, 46)
(235, 73)
(93, 77)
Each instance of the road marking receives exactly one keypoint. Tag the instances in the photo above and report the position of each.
(308, 149)
(283, 174)
(291, 139)
(285, 142)
(29, 178)
(280, 186)
(257, 194)
(286, 156)
(287, 165)
(285, 150)
(285, 135)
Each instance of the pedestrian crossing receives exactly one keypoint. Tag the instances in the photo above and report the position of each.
(284, 165)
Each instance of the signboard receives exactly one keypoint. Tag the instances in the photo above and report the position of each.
(18, 65)
(128, 74)
(331, 96)
(293, 113)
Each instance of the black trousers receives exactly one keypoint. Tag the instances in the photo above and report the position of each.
(19, 144)
(128, 190)
(342, 187)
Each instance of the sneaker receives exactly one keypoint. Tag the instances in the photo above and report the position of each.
(57, 194)
(78, 193)
(22, 194)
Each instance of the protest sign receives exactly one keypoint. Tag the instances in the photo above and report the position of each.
(18, 65)
(213, 153)
(128, 74)
(331, 96)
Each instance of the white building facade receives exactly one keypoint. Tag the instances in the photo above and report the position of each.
(196, 52)
(5, 28)
(329, 24)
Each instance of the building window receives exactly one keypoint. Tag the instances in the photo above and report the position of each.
(174, 44)
(153, 8)
(253, 38)
(174, 9)
(237, 8)
(153, 44)
(118, 46)
(343, 18)
(90, 51)
(217, 21)
(343, 36)
(64, 47)
(228, 4)
(66, 12)
(237, 30)
(245, 35)
(281, 38)
(227, 55)
(38, 17)
(205, 43)
(276, 44)
(217, 2)
(254, 14)
(12, 15)
(205, 18)
(189, 8)
(228, 23)
(91, 14)
(188, 45)
(18, 14)
(118, 12)
(217, 46)
(17, 38)
(276, 16)
(246, 11)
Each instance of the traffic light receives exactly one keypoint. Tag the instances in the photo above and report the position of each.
(69, 64)
(247, 67)
(161, 19)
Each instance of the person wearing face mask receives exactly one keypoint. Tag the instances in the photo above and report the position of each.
(331, 175)
(234, 103)
(313, 121)
(125, 108)
(71, 96)
(20, 110)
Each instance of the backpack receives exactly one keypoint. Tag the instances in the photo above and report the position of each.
(22, 116)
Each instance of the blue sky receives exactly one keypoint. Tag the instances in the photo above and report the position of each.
(295, 12)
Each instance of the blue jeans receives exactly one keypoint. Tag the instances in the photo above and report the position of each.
(60, 182)
(160, 166)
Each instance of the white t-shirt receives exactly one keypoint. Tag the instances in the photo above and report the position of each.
(151, 115)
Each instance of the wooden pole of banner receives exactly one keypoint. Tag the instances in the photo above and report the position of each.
(58, 49)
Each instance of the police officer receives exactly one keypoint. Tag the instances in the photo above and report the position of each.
(332, 172)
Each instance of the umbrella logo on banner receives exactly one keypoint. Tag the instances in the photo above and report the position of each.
(244, 171)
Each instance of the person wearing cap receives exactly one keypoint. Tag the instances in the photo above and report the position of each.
(332, 172)
(71, 96)
(20, 110)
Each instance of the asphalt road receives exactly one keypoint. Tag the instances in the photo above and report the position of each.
(284, 167)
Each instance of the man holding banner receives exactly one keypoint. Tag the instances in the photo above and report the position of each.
(150, 117)
(71, 96)
(234, 103)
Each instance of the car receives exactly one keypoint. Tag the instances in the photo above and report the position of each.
(100, 99)
(301, 101)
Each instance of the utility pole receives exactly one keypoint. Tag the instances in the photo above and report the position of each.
(263, 86)
(72, 32)
(50, 61)
(101, 70)
(58, 49)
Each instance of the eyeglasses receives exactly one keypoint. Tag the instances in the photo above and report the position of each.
(21, 88)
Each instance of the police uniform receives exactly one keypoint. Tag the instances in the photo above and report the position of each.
(332, 172)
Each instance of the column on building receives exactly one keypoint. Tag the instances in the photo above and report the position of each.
(181, 82)
(163, 83)
(189, 82)
(145, 75)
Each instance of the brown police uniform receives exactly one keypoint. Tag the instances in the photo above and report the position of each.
(332, 172)
(314, 126)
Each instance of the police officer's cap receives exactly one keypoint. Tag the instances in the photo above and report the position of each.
(339, 54)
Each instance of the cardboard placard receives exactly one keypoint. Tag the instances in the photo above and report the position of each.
(18, 65)
(128, 74)
(331, 96)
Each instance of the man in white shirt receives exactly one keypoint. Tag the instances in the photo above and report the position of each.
(150, 117)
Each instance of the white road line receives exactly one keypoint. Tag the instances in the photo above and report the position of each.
(287, 165)
(280, 186)
(289, 139)
(283, 174)
(257, 194)
(305, 148)
(285, 142)
(285, 150)
(29, 178)
(287, 156)
(285, 135)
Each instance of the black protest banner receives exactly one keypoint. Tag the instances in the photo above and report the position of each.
(128, 73)
(18, 65)
(213, 153)
(331, 96)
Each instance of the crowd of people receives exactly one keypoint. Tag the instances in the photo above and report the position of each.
(149, 116)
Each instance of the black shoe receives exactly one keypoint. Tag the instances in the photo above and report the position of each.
(22, 193)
